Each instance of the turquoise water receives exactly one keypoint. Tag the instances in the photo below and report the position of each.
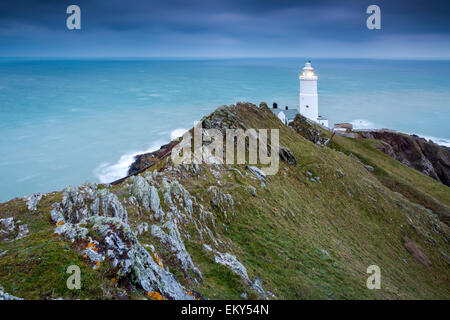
(66, 122)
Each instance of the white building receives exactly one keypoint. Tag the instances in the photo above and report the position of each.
(286, 115)
(309, 102)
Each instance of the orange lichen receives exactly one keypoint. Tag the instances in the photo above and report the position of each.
(60, 223)
(155, 295)
(114, 280)
(85, 256)
(158, 261)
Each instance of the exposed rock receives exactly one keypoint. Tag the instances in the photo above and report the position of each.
(6, 296)
(75, 202)
(80, 212)
(143, 161)
(325, 254)
(305, 128)
(257, 286)
(155, 204)
(287, 156)
(175, 194)
(86, 200)
(23, 231)
(32, 200)
(110, 204)
(143, 227)
(166, 190)
(415, 152)
(252, 191)
(133, 200)
(147, 195)
(119, 244)
(263, 105)
(257, 172)
(416, 251)
(223, 118)
(8, 224)
(140, 189)
(236, 170)
(220, 200)
(446, 256)
(230, 261)
(176, 245)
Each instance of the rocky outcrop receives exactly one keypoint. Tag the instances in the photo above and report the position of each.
(222, 119)
(230, 261)
(228, 231)
(308, 131)
(417, 253)
(257, 172)
(287, 156)
(147, 195)
(173, 240)
(86, 200)
(9, 231)
(95, 220)
(86, 211)
(32, 200)
(22, 232)
(131, 261)
(8, 224)
(220, 200)
(6, 296)
(146, 160)
(415, 152)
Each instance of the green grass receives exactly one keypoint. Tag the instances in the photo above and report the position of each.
(398, 177)
(280, 235)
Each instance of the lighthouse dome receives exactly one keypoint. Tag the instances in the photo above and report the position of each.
(308, 71)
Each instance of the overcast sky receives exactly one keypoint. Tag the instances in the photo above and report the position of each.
(227, 28)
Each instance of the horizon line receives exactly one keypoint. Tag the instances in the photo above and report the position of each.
(218, 58)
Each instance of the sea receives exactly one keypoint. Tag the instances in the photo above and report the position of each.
(65, 122)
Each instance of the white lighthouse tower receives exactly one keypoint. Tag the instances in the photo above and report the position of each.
(309, 102)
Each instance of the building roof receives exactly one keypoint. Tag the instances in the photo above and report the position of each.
(290, 113)
(343, 125)
(276, 111)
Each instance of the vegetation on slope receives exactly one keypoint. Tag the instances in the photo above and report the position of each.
(308, 232)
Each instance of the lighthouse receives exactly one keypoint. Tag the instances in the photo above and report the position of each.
(309, 102)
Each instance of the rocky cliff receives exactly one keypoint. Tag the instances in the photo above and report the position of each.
(231, 232)
(415, 152)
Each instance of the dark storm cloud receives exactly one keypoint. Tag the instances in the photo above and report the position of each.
(209, 28)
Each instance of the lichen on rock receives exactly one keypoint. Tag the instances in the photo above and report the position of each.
(6, 296)
(32, 200)
(176, 245)
(231, 262)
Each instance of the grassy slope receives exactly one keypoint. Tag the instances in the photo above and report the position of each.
(35, 266)
(277, 235)
(358, 230)
(398, 177)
